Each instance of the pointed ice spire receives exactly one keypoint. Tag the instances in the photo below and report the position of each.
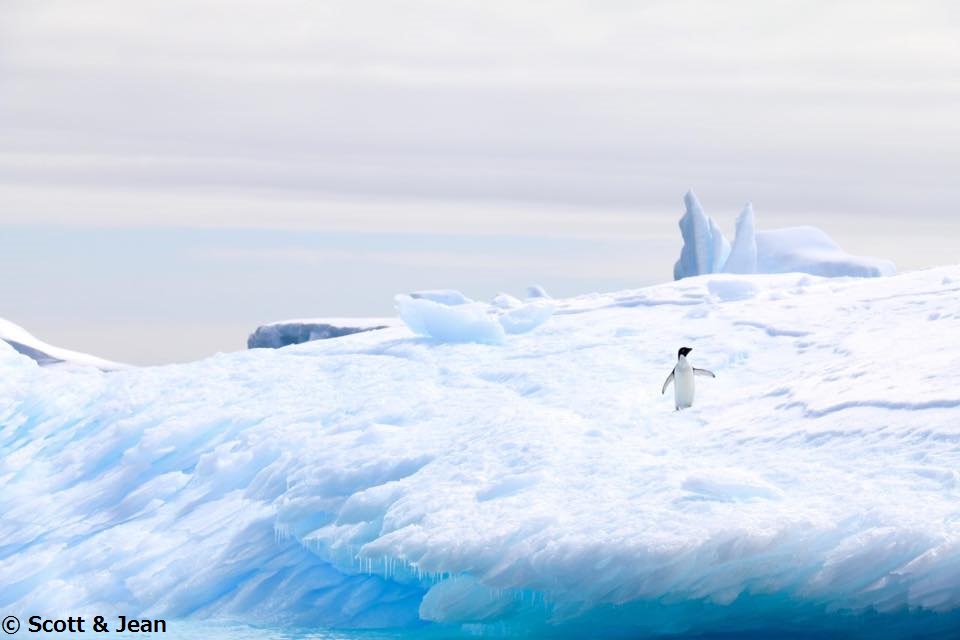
(720, 248)
(705, 249)
(743, 256)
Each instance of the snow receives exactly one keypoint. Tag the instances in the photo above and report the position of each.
(20, 340)
(505, 301)
(538, 486)
(795, 249)
(286, 332)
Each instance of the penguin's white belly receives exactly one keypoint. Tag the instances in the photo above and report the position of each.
(683, 386)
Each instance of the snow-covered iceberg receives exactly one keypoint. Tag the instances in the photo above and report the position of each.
(456, 318)
(795, 249)
(286, 332)
(541, 487)
(45, 354)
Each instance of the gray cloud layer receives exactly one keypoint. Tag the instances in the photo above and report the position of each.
(801, 106)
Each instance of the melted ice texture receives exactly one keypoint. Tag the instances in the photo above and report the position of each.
(537, 485)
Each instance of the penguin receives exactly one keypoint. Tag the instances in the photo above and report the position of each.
(682, 378)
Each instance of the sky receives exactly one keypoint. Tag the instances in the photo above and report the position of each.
(174, 173)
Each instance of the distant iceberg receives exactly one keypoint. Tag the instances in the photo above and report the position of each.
(705, 250)
(286, 332)
(283, 333)
(45, 354)
(794, 249)
(810, 250)
(743, 256)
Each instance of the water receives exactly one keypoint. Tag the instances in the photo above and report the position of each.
(206, 630)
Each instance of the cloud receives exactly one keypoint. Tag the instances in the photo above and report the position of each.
(222, 207)
(136, 129)
(609, 105)
(612, 264)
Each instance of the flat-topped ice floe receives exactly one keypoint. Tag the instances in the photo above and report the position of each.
(540, 486)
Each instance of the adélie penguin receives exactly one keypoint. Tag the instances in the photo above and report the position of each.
(682, 378)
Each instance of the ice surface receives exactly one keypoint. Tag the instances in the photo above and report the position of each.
(720, 249)
(743, 255)
(287, 332)
(46, 354)
(527, 317)
(506, 301)
(810, 250)
(473, 321)
(468, 322)
(796, 249)
(704, 247)
(450, 297)
(536, 291)
(541, 486)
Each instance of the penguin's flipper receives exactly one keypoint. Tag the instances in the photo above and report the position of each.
(667, 383)
(703, 372)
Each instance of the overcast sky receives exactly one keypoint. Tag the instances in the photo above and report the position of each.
(174, 172)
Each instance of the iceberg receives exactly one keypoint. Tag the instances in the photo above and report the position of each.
(46, 354)
(461, 322)
(743, 255)
(472, 321)
(810, 250)
(797, 249)
(449, 297)
(537, 291)
(705, 249)
(287, 332)
(538, 487)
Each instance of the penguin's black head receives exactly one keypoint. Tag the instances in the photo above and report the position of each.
(684, 351)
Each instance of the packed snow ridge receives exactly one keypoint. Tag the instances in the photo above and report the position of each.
(537, 486)
(795, 249)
